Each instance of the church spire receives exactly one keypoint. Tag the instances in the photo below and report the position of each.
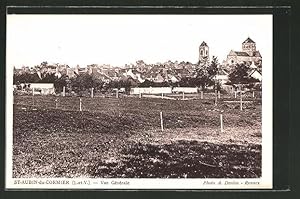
(248, 40)
(203, 53)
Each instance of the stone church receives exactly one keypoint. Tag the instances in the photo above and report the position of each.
(249, 54)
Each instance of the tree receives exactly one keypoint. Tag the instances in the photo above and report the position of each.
(240, 75)
(81, 82)
(25, 78)
(213, 67)
(59, 83)
(146, 83)
(202, 77)
(47, 78)
(126, 84)
(123, 83)
(186, 82)
(205, 75)
(85, 82)
(163, 84)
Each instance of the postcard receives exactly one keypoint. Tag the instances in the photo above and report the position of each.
(137, 101)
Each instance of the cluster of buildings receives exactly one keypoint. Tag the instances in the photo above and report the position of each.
(160, 72)
(139, 72)
(248, 55)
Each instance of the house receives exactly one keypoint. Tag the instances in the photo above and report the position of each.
(134, 74)
(159, 78)
(185, 90)
(183, 73)
(173, 78)
(151, 74)
(255, 73)
(222, 76)
(102, 75)
(71, 72)
(151, 90)
(42, 88)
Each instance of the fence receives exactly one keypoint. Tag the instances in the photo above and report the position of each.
(147, 113)
(184, 93)
(216, 96)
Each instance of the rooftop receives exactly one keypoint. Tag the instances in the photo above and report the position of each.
(240, 53)
(248, 40)
(203, 44)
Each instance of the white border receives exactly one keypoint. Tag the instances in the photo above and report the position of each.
(265, 182)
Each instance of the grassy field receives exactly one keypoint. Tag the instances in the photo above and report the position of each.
(122, 138)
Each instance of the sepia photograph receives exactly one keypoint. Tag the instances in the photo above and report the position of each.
(133, 101)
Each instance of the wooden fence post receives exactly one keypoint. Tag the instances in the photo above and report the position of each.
(221, 122)
(140, 95)
(201, 95)
(216, 97)
(161, 122)
(162, 95)
(80, 104)
(32, 96)
(241, 102)
(64, 91)
(234, 94)
(183, 95)
(219, 94)
(253, 94)
(117, 93)
(92, 93)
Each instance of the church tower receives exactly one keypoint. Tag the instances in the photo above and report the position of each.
(249, 46)
(203, 53)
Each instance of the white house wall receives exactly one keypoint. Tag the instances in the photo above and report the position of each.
(151, 90)
(185, 89)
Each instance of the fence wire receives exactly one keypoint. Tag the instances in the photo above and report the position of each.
(145, 112)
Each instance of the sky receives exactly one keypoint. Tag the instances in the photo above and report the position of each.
(124, 39)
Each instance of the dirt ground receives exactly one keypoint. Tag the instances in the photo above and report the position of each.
(122, 138)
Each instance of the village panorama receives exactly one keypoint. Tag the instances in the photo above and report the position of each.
(245, 64)
(144, 120)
